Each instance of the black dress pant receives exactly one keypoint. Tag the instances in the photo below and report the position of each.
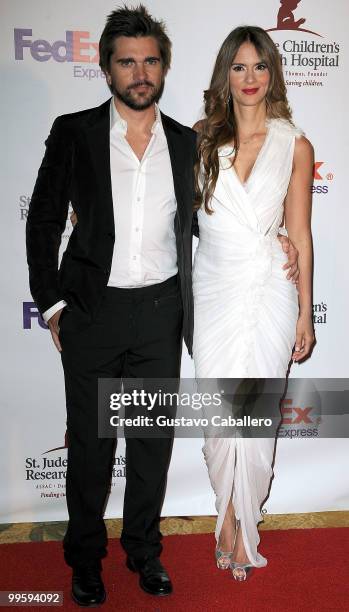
(137, 333)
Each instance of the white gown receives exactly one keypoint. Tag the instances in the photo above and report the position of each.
(245, 313)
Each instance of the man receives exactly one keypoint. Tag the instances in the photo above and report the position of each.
(122, 298)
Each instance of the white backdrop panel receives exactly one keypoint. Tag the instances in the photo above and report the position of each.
(33, 456)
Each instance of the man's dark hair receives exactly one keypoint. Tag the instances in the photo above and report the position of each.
(133, 22)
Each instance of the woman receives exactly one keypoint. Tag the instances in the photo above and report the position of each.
(255, 169)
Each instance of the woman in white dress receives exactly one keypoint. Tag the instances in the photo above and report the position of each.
(255, 169)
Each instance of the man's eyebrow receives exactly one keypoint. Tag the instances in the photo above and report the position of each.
(125, 59)
(132, 59)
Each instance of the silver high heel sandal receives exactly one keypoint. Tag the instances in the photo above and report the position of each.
(240, 571)
(223, 559)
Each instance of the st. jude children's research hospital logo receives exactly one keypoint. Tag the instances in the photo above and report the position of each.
(307, 60)
(47, 472)
(286, 19)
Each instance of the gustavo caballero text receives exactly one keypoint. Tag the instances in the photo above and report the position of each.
(166, 421)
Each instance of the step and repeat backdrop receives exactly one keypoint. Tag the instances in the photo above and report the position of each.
(50, 67)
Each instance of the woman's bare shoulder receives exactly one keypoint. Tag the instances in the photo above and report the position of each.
(303, 149)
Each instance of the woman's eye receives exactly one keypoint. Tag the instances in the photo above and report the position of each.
(237, 68)
(262, 67)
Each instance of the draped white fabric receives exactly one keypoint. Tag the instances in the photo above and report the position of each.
(245, 313)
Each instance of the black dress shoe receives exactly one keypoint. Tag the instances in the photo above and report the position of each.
(87, 585)
(153, 578)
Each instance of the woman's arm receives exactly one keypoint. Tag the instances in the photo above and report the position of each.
(298, 225)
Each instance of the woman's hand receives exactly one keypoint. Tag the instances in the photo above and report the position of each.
(292, 258)
(305, 338)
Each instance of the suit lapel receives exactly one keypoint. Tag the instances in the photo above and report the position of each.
(98, 141)
(179, 163)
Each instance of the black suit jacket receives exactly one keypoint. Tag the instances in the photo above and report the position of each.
(76, 168)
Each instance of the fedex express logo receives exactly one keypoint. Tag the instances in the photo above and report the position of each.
(320, 174)
(299, 421)
(296, 415)
(75, 48)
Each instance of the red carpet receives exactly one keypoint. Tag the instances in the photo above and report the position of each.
(308, 569)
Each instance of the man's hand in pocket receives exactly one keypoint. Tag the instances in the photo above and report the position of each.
(53, 324)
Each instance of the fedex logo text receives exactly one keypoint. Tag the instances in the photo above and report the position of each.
(30, 312)
(294, 415)
(75, 48)
(319, 175)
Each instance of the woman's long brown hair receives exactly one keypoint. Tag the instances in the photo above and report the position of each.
(219, 127)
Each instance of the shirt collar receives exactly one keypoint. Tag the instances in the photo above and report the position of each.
(119, 124)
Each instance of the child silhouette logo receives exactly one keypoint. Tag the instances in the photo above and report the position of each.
(286, 19)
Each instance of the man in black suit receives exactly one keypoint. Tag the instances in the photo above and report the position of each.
(122, 298)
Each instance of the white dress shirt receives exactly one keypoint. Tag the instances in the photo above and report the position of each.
(144, 209)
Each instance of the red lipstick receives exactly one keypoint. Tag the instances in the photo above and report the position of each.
(250, 92)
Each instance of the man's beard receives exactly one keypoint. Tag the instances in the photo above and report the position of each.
(138, 103)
